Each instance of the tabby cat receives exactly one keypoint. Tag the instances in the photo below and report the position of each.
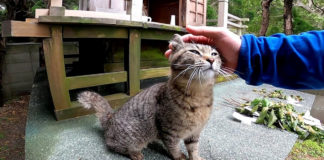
(172, 111)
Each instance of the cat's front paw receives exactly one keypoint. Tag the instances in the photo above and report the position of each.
(198, 158)
(182, 157)
(136, 156)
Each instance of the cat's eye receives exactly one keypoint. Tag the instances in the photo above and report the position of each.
(214, 54)
(195, 52)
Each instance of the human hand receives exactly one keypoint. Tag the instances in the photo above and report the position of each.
(227, 43)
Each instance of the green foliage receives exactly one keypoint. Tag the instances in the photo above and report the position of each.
(36, 5)
(211, 13)
(71, 4)
(281, 115)
(302, 19)
(309, 148)
(1, 135)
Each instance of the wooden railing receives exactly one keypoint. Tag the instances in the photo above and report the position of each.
(233, 22)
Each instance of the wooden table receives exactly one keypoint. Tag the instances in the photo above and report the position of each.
(54, 28)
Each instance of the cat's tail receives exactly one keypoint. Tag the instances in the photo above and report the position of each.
(98, 103)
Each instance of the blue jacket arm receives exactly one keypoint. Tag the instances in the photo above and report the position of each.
(294, 62)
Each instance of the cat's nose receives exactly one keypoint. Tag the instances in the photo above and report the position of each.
(210, 60)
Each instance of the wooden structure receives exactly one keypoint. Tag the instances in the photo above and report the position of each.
(228, 20)
(57, 23)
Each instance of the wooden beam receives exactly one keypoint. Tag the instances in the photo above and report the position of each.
(31, 20)
(41, 12)
(94, 32)
(57, 11)
(154, 72)
(156, 34)
(54, 58)
(236, 25)
(134, 61)
(95, 79)
(115, 101)
(81, 13)
(24, 29)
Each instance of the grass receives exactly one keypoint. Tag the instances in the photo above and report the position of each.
(2, 135)
(307, 150)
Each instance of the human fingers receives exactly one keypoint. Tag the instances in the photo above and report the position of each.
(196, 39)
(212, 32)
(167, 53)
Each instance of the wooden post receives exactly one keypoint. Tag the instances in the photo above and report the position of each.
(239, 30)
(136, 11)
(222, 13)
(53, 51)
(134, 61)
(56, 3)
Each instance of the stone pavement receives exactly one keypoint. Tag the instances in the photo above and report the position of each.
(223, 137)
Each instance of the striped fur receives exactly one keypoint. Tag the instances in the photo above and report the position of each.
(172, 111)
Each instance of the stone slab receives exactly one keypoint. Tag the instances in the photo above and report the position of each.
(223, 138)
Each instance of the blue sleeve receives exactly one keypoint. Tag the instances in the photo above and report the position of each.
(294, 62)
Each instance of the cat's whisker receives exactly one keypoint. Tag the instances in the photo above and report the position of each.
(190, 79)
(199, 72)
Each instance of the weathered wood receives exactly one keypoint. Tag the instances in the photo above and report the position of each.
(94, 32)
(164, 26)
(56, 3)
(154, 72)
(115, 101)
(57, 11)
(81, 13)
(134, 61)
(31, 20)
(53, 51)
(222, 13)
(237, 18)
(240, 26)
(96, 79)
(156, 34)
(24, 29)
(41, 12)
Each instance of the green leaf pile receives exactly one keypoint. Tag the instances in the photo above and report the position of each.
(281, 115)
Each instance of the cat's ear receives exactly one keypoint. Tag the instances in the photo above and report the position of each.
(176, 43)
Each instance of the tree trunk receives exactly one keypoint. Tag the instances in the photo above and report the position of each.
(16, 9)
(288, 26)
(265, 17)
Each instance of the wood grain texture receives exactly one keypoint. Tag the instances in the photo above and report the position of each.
(96, 79)
(24, 29)
(157, 34)
(154, 72)
(57, 11)
(134, 61)
(53, 51)
(56, 3)
(94, 32)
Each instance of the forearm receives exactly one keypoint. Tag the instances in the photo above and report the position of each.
(295, 61)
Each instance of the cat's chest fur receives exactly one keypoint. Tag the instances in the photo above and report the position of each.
(185, 114)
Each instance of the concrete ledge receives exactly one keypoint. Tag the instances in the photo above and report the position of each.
(222, 138)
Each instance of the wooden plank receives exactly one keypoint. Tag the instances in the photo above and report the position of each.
(31, 20)
(57, 11)
(24, 29)
(95, 79)
(156, 34)
(154, 72)
(76, 20)
(94, 32)
(237, 18)
(115, 101)
(53, 51)
(41, 12)
(88, 14)
(134, 61)
(163, 26)
(236, 25)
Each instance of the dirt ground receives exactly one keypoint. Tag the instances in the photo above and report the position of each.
(13, 116)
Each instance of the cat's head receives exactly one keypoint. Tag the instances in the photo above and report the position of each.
(194, 61)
